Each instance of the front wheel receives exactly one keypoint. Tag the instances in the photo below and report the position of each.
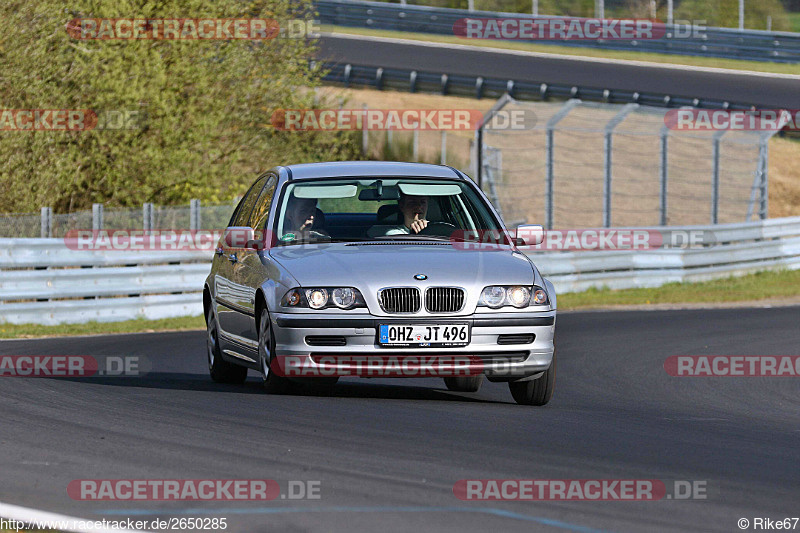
(464, 383)
(273, 383)
(537, 391)
(221, 371)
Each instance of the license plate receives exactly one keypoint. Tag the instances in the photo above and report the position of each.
(424, 335)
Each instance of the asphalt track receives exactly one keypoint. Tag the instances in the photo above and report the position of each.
(765, 92)
(388, 452)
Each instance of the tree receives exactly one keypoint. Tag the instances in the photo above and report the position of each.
(204, 105)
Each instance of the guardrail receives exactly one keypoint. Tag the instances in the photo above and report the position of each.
(44, 282)
(723, 250)
(754, 45)
(480, 87)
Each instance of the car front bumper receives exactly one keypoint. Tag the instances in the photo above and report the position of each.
(330, 344)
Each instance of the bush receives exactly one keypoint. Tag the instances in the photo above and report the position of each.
(204, 130)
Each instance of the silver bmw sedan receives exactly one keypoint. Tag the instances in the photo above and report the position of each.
(377, 269)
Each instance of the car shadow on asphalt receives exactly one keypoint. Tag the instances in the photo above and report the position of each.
(348, 389)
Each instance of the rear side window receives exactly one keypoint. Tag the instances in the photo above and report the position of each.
(258, 218)
(242, 217)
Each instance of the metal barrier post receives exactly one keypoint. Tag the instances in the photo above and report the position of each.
(443, 152)
(415, 145)
(47, 222)
(194, 215)
(97, 217)
(147, 216)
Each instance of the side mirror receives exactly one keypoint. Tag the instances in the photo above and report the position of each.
(529, 234)
(238, 236)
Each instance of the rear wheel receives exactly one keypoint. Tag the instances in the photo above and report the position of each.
(464, 383)
(273, 383)
(221, 371)
(538, 391)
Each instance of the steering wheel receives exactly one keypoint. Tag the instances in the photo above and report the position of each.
(439, 229)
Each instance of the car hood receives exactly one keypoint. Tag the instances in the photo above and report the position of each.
(372, 266)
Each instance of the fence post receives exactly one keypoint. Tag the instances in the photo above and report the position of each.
(364, 133)
(147, 216)
(763, 157)
(664, 173)
(194, 215)
(608, 146)
(443, 152)
(549, 150)
(415, 145)
(97, 217)
(47, 222)
(715, 175)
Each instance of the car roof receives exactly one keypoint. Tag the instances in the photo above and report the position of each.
(340, 169)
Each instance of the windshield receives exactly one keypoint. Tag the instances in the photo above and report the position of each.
(360, 209)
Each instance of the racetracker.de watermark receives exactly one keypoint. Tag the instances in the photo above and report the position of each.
(167, 240)
(735, 120)
(590, 239)
(70, 119)
(386, 366)
(574, 29)
(183, 29)
(399, 119)
(733, 365)
(578, 489)
(192, 490)
(73, 366)
(562, 29)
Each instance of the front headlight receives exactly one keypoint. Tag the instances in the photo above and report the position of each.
(317, 298)
(324, 298)
(518, 296)
(493, 297)
(344, 298)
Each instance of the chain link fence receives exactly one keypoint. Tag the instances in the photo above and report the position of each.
(148, 217)
(586, 164)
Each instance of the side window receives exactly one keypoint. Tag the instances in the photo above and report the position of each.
(261, 211)
(249, 200)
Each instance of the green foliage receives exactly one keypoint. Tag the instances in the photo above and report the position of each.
(205, 132)
(725, 13)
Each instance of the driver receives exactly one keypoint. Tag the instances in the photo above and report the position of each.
(414, 210)
(300, 213)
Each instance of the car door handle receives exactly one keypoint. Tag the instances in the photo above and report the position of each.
(232, 258)
(219, 251)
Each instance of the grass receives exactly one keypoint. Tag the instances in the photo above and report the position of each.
(19, 331)
(768, 285)
(794, 20)
(758, 66)
(783, 284)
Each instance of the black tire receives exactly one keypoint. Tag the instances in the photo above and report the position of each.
(538, 391)
(464, 383)
(273, 383)
(221, 371)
